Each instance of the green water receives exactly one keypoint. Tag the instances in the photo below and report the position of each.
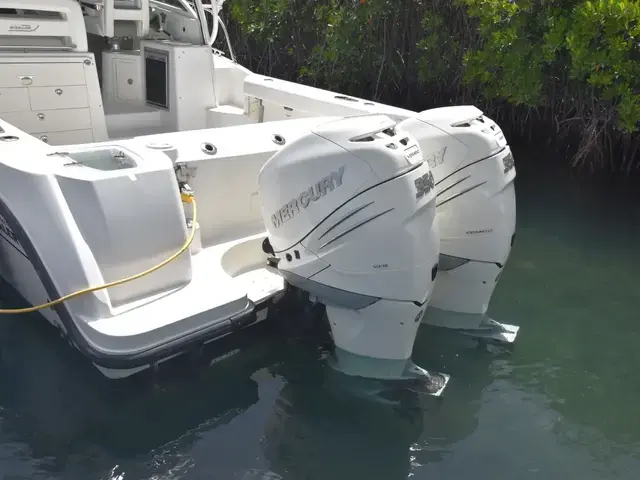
(563, 404)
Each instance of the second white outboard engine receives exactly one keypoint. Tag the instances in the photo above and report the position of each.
(474, 174)
(349, 209)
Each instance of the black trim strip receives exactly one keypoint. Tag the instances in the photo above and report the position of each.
(356, 226)
(445, 261)
(497, 264)
(459, 194)
(125, 361)
(347, 216)
(419, 304)
(319, 271)
(470, 165)
(452, 185)
(326, 294)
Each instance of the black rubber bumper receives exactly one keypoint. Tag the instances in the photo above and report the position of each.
(125, 360)
(176, 346)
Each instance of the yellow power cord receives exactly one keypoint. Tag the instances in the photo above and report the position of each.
(186, 198)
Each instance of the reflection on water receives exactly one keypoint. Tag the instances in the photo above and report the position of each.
(338, 429)
(276, 404)
(562, 404)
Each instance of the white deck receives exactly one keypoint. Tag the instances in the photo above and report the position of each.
(212, 296)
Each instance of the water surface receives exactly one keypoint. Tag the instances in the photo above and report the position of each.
(562, 404)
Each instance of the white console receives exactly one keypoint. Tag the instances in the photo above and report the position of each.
(122, 78)
(178, 79)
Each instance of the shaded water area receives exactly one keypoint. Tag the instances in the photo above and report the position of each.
(563, 404)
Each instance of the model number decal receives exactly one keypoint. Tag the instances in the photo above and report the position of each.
(508, 162)
(411, 152)
(424, 185)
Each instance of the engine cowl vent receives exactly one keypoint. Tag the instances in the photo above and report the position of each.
(390, 134)
(478, 121)
(486, 125)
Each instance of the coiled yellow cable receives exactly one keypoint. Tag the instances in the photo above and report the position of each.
(186, 198)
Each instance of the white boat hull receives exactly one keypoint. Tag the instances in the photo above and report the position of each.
(221, 286)
(264, 289)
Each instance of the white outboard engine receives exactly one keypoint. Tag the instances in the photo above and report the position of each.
(349, 210)
(474, 173)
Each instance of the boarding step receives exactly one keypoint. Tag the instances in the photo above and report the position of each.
(221, 288)
(226, 116)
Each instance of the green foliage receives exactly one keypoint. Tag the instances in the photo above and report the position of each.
(508, 60)
(440, 53)
(573, 62)
(604, 43)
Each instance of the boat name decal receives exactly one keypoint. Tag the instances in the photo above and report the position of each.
(311, 194)
(23, 27)
(7, 234)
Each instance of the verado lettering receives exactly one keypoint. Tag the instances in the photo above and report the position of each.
(437, 158)
(304, 199)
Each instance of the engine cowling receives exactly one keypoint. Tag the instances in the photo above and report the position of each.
(349, 210)
(474, 174)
